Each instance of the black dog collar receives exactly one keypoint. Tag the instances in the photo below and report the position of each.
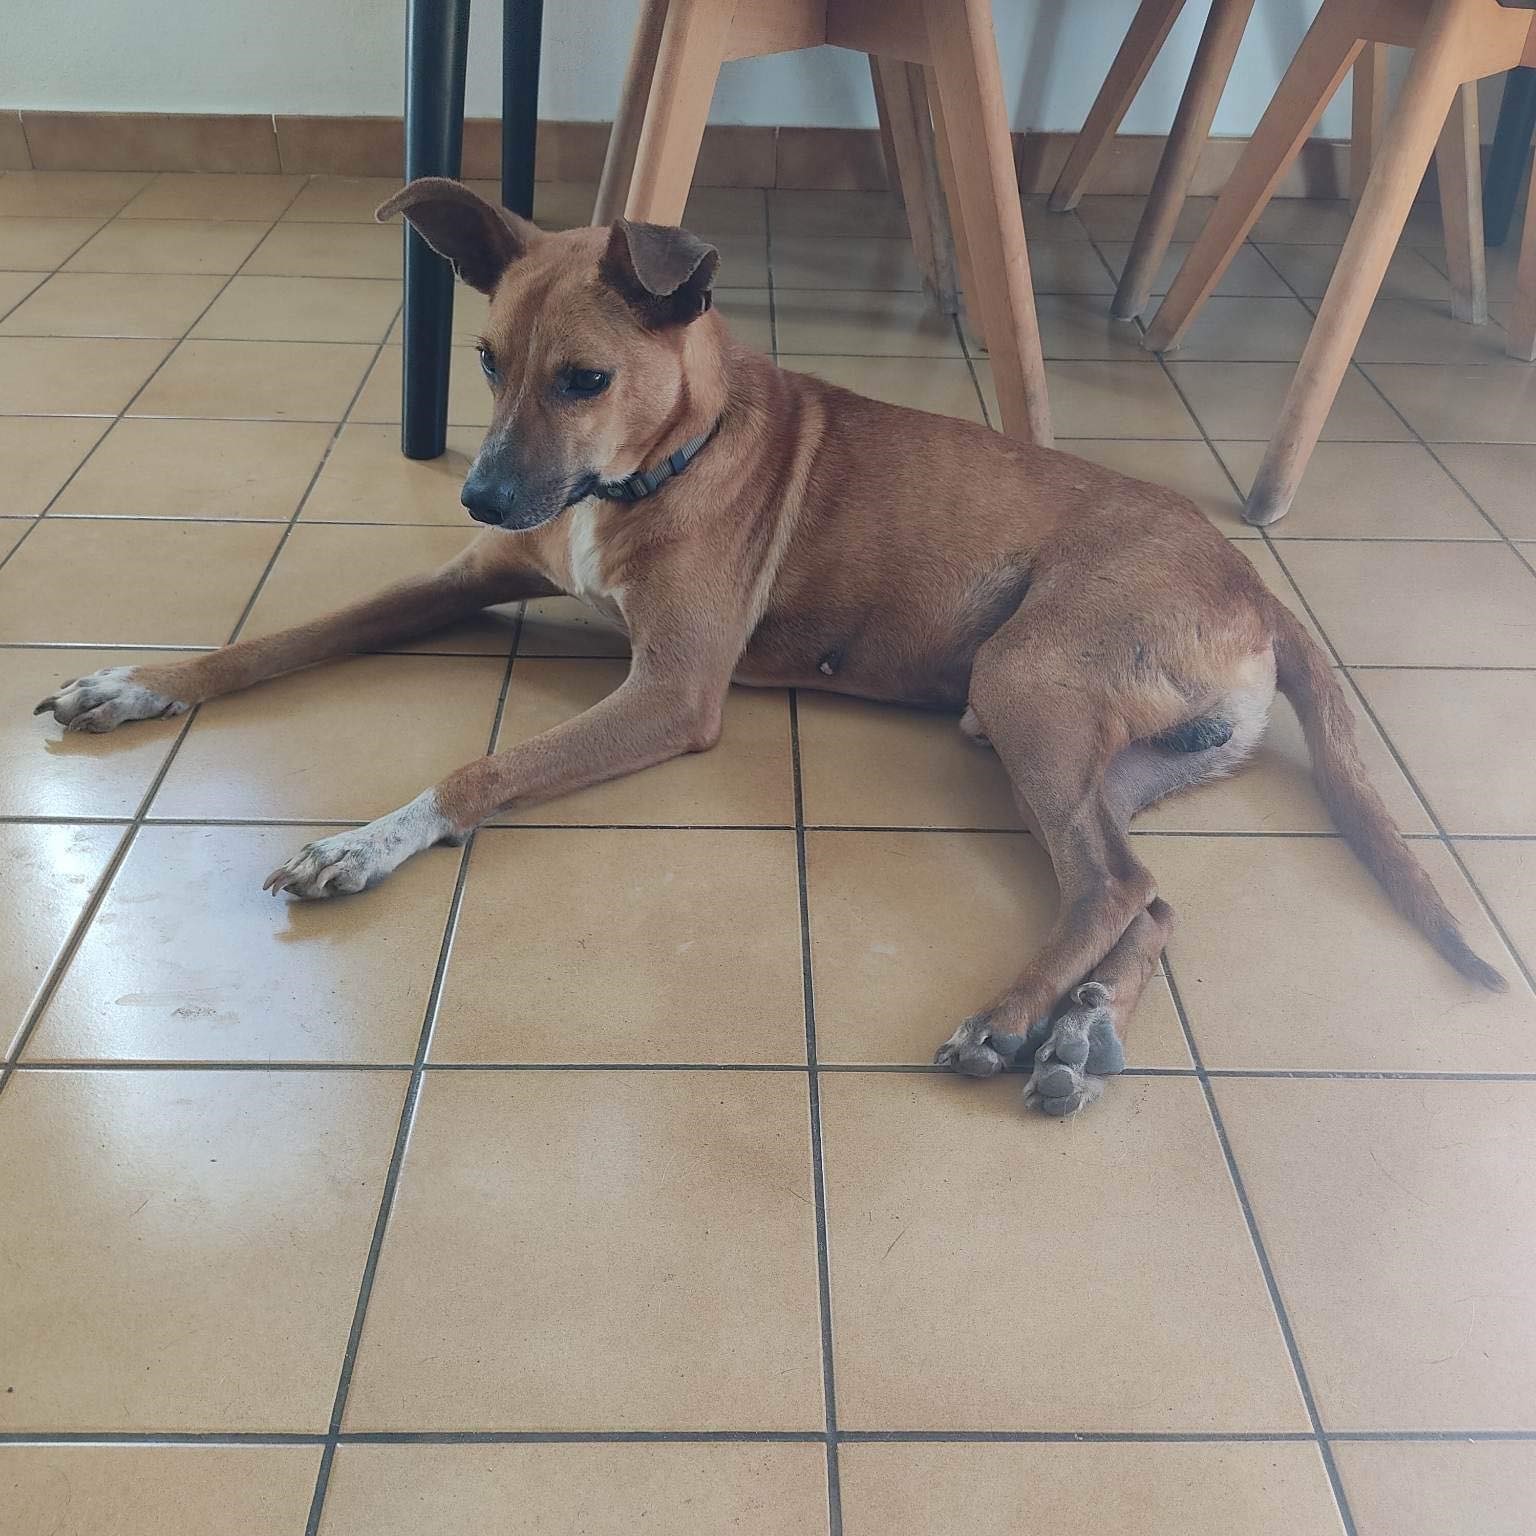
(647, 482)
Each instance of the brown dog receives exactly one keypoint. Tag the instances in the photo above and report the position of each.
(747, 523)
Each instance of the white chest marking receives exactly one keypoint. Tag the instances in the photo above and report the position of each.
(587, 566)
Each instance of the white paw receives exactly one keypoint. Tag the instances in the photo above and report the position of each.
(362, 856)
(103, 700)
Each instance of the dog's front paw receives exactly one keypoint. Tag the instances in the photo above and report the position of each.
(345, 862)
(1074, 1053)
(102, 701)
(975, 1050)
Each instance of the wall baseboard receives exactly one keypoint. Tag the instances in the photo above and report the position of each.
(801, 158)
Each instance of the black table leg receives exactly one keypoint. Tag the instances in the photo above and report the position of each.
(437, 39)
(1510, 155)
(522, 26)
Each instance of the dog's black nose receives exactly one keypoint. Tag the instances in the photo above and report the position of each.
(488, 499)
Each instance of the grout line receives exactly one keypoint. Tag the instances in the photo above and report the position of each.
(1277, 1304)
(773, 316)
(408, 1110)
(818, 1163)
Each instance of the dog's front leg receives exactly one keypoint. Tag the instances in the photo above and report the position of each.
(648, 720)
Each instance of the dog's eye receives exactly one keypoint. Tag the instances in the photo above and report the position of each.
(583, 383)
(487, 361)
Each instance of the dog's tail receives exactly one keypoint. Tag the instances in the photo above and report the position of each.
(1304, 676)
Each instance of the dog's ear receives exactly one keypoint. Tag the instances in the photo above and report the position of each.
(480, 240)
(664, 274)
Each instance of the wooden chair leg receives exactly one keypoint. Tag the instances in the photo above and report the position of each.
(1144, 40)
(1224, 30)
(914, 166)
(624, 140)
(1434, 78)
(1459, 171)
(970, 311)
(970, 91)
(688, 57)
(1368, 115)
(1324, 58)
(1522, 324)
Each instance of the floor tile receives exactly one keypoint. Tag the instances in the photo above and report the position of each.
(1304, 221)
(749, 313)
(307, 747)
(913, 931)
(1246, 330)
(329, 250)
(58, 867)
(14, 288)
(1116, 218)
(1248, 275)
(1274, 792)
(1189, 468)
(646, 1490)
(1419, 331)
(1477, 403)
(367, 479)
(148, 467)
(302, 309)
(40, 454)
(1079, 326)
(1368, 491)
(47, 771)
(944, 386)
(1391, 1168)
(470, 309)
(324, 567)
(1152, 1490)
(1499, 478)
(863, 324)
(1273, 575)
(1309, 269)
(711, 212)
(1243, 400)
(910, 768)
(747, 779)
(1288, 956)
(200, 195)
(72, 376)
(565, 626)
(1068, 266)
(836, 213)
(1098, 399)
(169, 245)
(1130, 1221)
(469, 401)
(106, 304)
(812, 261)
(1465, 1489)
(1456, 605)
(267, 380)
(346, 199)
(642, 947)
(1043, 223)
(132, 583)
(1468, 738)
(39, 245)
(568, 205)
(1506, 875)
(667, 1178)
(188, 959)
(191, 1262)
(162, 1490)
(12, 531)
(744, 262)
(68, 194)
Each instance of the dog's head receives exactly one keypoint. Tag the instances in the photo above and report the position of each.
(588, 349)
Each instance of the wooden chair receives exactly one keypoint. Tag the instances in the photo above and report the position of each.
(1224, 28)
(676, 57)
(1455, 43)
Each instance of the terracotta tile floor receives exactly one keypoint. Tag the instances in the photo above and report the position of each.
(589, 1178)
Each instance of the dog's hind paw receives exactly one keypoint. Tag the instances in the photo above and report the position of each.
(1073, 1053)
(975, 1051)
(104, 700)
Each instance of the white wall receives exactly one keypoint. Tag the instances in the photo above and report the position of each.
(346, 57)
